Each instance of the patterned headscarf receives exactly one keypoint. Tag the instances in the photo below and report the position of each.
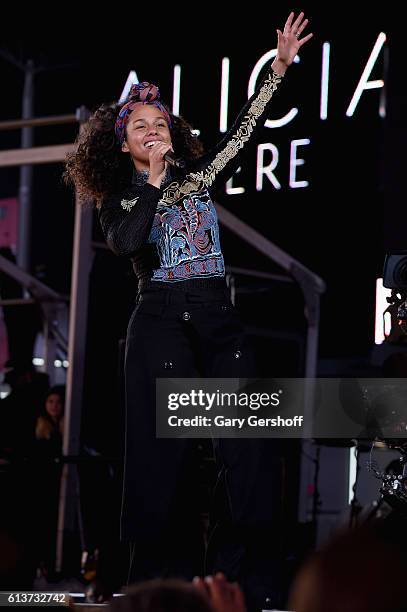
(140, 93)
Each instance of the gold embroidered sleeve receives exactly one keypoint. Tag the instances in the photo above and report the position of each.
(221, 163)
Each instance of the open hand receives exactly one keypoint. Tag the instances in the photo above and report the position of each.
(224, 596)
(289, 41)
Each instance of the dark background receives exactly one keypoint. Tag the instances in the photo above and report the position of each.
(340, 226)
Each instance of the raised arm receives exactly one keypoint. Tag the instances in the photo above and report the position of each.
(217, 166)
(126, 223)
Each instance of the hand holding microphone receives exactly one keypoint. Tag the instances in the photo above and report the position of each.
(161, 154)
(174, 161)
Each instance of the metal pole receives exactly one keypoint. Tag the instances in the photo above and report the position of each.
(81, 265)
(26, 174)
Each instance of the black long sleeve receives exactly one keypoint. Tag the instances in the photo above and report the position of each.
(126, 224)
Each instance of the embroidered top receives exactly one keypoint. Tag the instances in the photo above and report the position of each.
(171, 233)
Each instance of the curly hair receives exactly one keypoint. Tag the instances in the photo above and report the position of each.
(98, 168)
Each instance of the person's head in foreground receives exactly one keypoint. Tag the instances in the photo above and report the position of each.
(212, 594)
(360, 570)
(160, 595)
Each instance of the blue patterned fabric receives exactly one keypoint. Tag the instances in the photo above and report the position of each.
(186, 235)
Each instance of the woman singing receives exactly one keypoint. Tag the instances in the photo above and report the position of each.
(184, 325)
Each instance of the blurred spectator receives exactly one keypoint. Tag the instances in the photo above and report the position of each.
(224, 596)
(18, 413)
(161, 595)
(47, 451)
(17, 570)
(360, 570)
(49, 427)
(20, 409)
(214, 594)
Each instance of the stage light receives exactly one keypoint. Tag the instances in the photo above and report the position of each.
(294, 162)
(382, 293)
(176, 90)
(323, 111)
(363, 82)
(131, 80)
(224, 95)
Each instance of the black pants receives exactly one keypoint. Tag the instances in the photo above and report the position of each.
(173, 333)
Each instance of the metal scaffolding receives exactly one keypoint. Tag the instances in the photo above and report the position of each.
(49, 300)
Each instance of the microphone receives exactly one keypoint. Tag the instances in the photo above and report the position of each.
(174, 161)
